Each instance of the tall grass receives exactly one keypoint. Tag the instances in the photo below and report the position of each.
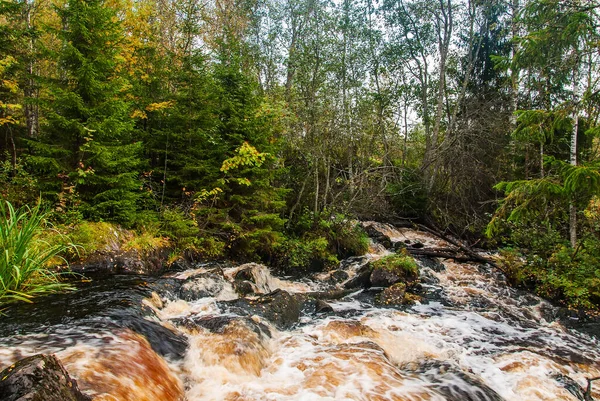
(25, 256)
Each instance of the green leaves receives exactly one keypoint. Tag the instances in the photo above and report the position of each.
(25, 259)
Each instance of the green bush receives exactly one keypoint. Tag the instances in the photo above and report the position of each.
(24, 270)
(345, 237)
(300, 255)
(567, 277)
(184, 233)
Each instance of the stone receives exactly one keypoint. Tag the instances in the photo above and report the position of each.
(384, 278)
(322, 307)
(243, 287)
(361, 279)
(279, 307)
(39, 378)
(203, 285)
(393, 295)
(337, 276)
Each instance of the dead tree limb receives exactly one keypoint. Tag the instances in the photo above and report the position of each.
(468, 251)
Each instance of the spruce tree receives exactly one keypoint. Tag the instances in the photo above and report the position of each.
(87, 140)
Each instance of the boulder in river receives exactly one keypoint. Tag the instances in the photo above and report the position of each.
(362, 277)
(39, 378)
(393, 295)
(393, 269)
(206, 284)
(279, 307)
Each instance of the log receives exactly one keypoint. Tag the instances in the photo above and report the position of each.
(475, 257)
(444, 253)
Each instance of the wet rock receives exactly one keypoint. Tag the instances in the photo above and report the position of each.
(572, 387)
(337, 276)
(218, 324)
(322, 307)
(384, 277)
(163, 341)
(167, 287)
(393, 295)
(387, 275)
(398, 245)
(207, 284)
(455, 384)
(39, 378)
(243, 287)
(362, 279)
(279, 307)
(417, 245)
(428, 278)
(245, 274)
(430, 263)
(376, 233)
(331, 294)
(119, 261)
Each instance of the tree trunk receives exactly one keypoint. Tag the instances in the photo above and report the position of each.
(573, 161)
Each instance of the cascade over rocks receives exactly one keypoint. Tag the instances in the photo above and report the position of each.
(39, 378)
(206, 284)
(218, 324)
(279, 307)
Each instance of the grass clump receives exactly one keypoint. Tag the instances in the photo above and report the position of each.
(403, 265)
(25, 259)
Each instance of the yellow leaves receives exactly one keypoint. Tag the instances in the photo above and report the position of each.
(204, 194)
(247, 155)
(160, 106)
(7, 120)
(139, 114)
(12, 87)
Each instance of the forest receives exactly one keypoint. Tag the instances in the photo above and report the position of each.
(261, 130)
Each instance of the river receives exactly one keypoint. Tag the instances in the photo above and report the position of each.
(189, 335)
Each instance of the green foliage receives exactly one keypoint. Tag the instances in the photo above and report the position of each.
(24, 270)
(568, 277)
(344, 236)
(407, 194)
(402, 264)
(183, 231)
(301, 255)
(19, 187)
(525, 201)
(91, 237)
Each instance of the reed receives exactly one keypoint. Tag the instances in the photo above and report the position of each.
(25, 259)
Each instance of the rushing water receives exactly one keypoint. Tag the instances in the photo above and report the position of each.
(188, 335)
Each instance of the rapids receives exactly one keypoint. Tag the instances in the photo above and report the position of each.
(188, 335)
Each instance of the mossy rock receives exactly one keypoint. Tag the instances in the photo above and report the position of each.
(396, 295)
(393, 269)
(393, 295)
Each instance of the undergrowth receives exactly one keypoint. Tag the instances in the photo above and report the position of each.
(25, 263)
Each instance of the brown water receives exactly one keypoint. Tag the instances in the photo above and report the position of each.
(470, 338)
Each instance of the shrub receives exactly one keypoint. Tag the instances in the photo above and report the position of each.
(567, 277)
(301, 255)
(345, 237)
(24, 270)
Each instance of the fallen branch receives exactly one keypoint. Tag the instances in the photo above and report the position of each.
(445, 253)
(475, 257)
(588, 391)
